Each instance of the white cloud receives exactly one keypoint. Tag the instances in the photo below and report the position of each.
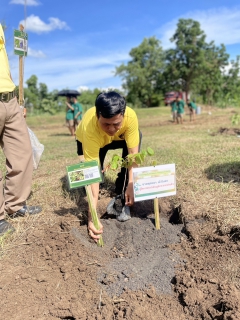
(28, 2)
(75, 73)
(110, 88)
(35, 24)
(35, 53)
(76, 65)
(221, 25)
(83, 88)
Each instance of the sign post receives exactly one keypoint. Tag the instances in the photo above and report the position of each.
(20, 49)
(84, 174)
(152, 183)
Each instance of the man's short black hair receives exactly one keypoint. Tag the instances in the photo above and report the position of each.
(110, 104)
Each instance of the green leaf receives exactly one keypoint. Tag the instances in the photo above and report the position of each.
(114, 165)
(138, 159)
(150, 151)
(116, 157)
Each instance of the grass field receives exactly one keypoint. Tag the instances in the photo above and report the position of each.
(207, 163)
(49, 267)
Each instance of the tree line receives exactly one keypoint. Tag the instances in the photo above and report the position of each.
(193, 65)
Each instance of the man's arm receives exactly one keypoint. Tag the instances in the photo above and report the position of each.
(129, 196)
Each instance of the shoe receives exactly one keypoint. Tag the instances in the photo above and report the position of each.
(125, 214)
(5, 227)
(26, 209)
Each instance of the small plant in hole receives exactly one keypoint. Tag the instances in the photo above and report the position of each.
(118, 162)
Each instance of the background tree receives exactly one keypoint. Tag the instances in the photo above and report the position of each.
(231, 82)
(31, 94)
(43, 91)
(186, 61)
(32, 85)
(141, 74)
(209, 83)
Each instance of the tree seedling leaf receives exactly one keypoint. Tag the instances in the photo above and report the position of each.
(150, 151)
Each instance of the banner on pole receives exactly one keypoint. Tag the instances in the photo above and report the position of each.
(20, 43)
(154, 182)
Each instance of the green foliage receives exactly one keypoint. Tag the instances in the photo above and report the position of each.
(235, 119)
(185, 61)
(118, 162)
(88, 97)
(32, 85)
(193, 66)
(211, 81)
(143, 72)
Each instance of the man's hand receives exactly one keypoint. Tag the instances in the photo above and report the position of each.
(93, 232)
(129, 197)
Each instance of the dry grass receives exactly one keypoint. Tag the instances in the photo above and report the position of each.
(207, 168)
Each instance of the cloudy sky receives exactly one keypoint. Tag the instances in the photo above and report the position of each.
(76, 43)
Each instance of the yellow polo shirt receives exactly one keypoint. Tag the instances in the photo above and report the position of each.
(6, 83)
(93, 137)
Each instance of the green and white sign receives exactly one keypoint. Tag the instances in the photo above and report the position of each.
(83, 173)
(154, 182)
(20, 43)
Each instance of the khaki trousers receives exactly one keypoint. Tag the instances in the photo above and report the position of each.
(15, 142)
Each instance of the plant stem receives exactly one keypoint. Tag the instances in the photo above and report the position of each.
(156, 212)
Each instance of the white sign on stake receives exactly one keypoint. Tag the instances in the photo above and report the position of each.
(154, 182)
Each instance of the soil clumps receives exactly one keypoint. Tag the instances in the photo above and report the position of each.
(180, 272)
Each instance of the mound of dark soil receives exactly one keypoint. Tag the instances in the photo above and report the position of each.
(57, 272)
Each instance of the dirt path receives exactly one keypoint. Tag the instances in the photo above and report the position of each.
(178, 272)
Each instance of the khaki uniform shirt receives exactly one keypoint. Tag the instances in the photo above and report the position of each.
(6, 83)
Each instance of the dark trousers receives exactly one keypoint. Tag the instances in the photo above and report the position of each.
(122, 178)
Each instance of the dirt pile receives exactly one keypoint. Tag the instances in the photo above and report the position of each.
(56, 272)
(229, 131)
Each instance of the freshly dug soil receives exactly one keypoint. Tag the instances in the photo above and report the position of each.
(229, 131)
(177, 272)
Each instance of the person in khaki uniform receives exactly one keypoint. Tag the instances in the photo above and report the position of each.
(15, 143)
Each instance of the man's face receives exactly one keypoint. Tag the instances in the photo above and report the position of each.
(111, 125)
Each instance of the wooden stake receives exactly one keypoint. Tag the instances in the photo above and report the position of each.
(21, 74)
(156, 212)
(21, 95)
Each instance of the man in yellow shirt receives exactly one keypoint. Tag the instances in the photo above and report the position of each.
(109, 125)
(15, 142)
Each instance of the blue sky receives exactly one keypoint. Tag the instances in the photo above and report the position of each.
(75, 44)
